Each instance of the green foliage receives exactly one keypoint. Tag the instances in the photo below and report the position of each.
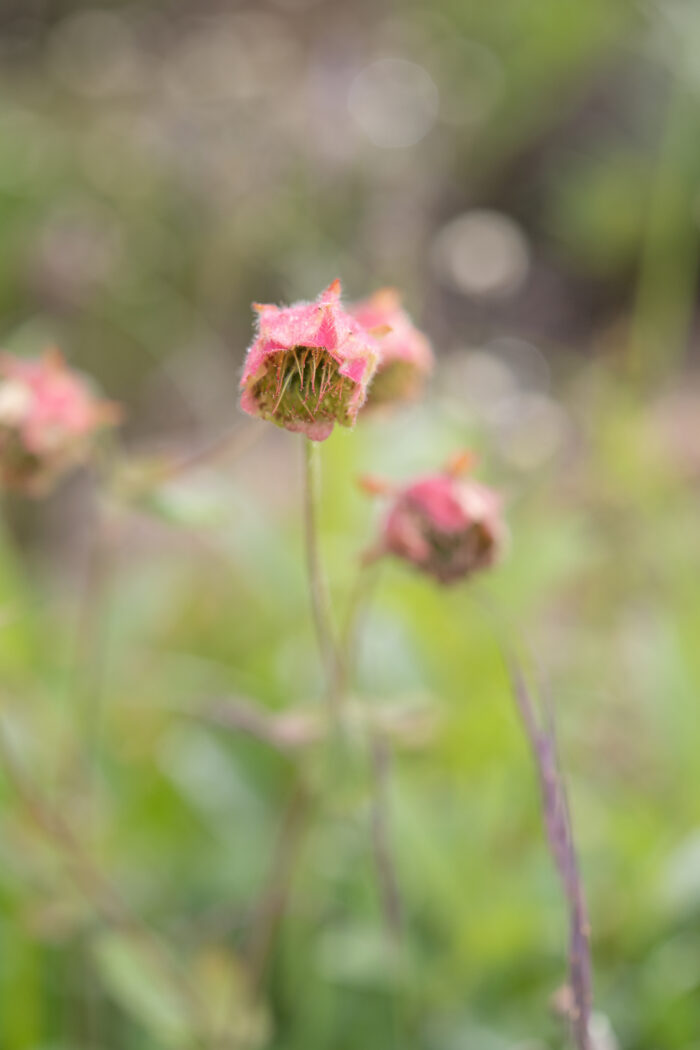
(186, 813)
(186, 858)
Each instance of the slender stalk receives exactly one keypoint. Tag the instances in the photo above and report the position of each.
(227, 446)
(318, 589)
(384, 861)
(275, 897)
(557, 818)
(287, 733)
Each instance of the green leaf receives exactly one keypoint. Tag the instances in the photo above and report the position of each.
(138, 978)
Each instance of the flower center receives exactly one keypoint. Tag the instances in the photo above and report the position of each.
(303, 384)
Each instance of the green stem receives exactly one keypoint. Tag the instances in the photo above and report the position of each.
(318, 588)
(275, 896)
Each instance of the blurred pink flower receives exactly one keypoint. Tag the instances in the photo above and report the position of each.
(447, 526)
(48, 415)
(405, 355)
(309, 366)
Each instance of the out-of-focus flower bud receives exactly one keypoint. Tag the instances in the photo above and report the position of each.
(309, 367)
(447, 526)
(49, 415)
(405, 356)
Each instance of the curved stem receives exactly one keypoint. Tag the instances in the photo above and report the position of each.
(537, 718)
(318, 589)
(277, 891)
(540, 732)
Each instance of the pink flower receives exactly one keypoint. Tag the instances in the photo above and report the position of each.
(405, 355)
(309, 366)
(447, 526)
(48, 415)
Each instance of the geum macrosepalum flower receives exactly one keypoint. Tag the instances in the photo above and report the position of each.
(309, 366)
(49, 415)
(405, 355)
(444, 524)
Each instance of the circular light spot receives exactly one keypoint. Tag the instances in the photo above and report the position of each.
(481, 381)
(531, 430)
(394, 102)
(526, 362)
(482, 254)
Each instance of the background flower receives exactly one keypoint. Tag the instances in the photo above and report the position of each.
(446, 526)
(405, 355)
(48, 417)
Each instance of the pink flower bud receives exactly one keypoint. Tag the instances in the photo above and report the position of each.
(405, 355)
(446, 526)
(48, 415)
(309, 366)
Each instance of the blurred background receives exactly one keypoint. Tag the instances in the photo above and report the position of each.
(527, 172)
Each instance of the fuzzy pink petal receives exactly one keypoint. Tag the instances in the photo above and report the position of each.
(446, 526)
(322, 325)
(402, 341)
(59, 412)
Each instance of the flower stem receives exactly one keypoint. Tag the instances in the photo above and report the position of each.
(276, 893)
(318, 588)
(557, 819)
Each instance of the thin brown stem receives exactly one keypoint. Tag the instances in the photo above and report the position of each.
(229, 445)
(542, 738)
(275, 897)
(287, 732)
